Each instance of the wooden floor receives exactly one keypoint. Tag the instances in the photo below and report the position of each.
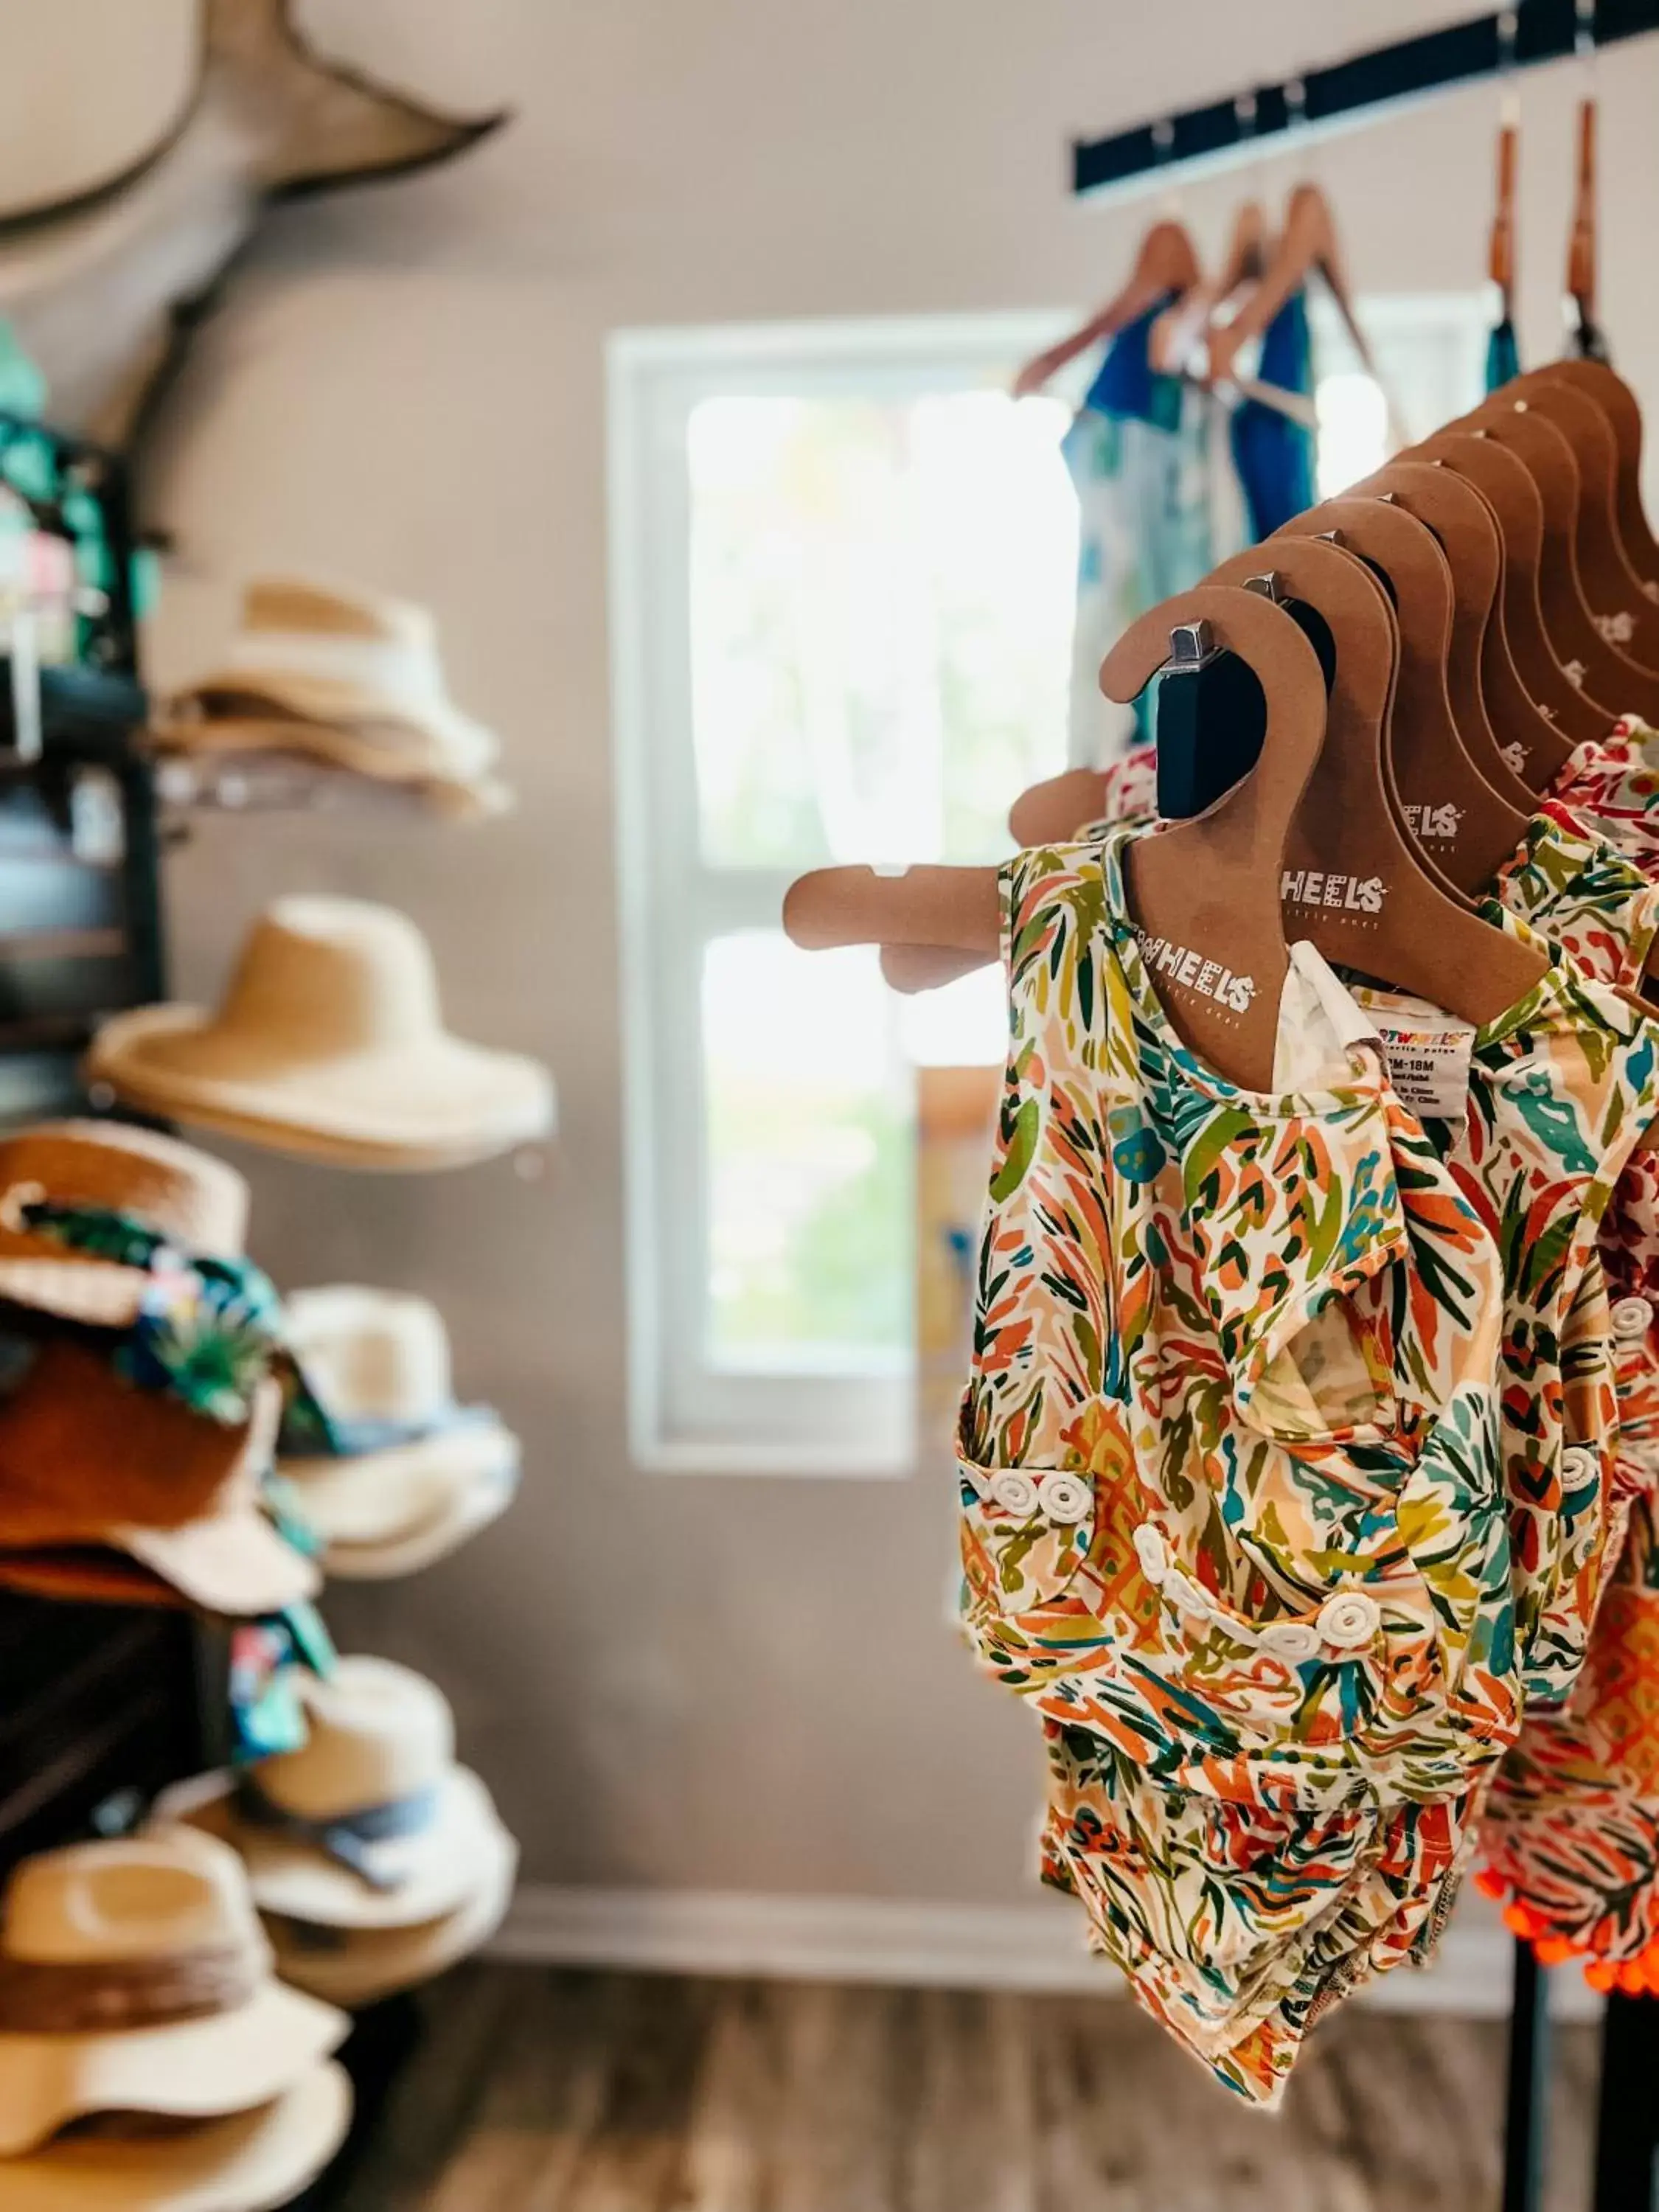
(528, 2090)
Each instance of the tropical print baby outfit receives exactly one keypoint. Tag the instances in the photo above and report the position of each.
(1233, 1519)
(1156, 512)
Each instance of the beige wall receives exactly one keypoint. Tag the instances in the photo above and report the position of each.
(720, 1684)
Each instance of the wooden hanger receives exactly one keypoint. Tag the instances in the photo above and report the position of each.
(1467, 829)
(1224, 891)
(1179, 329)
(1624, 412)
(1467, 531)
(1308, 246)
(1581, 239)
(1166, 263)
(1619, 607)
(1606, 676)
(1500, 253)
(1204, 894)
(1567, 718)
(1356, 883)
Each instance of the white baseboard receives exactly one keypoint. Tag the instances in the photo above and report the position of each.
(910, 1944)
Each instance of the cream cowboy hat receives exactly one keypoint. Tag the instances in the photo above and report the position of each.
(330, 1041)
(251, 2162)
(343, 677)
(196, 1203)
(415, 1474)
(370, 1824)
(135, 1977)
(358, 1966)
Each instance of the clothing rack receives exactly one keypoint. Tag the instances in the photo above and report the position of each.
(99, 1705)
(1243, 125)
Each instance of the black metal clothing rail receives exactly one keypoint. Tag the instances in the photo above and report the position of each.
(1355, 90)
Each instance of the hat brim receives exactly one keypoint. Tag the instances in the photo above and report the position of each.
(98, 1293)
(187, 2069)
(251, 2162)
(435, 1539)
(443, 1103)
(253, 741)
(235, 1564)
(354, 1968)
(434, 1872)
(329, 705)
(383, 1496)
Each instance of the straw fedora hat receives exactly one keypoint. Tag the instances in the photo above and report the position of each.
(417, 1474)
(358, 1966)
(370, 1824)
(135, 1977)
(346, 675)
(90, 1462)
(196, 1204)
(330, 1036)
(252, 2161)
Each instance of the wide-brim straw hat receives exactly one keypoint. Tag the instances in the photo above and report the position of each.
(377, 1361)
(251, 2162)
(331, 1035)
(357, 1966)
(206, 752)
(358, 672)
(90, 1462)
(380, 1736)
(198, 1204)
(393, 1512)
(135, 1977)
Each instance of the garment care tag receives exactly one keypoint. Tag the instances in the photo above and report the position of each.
(1428, 1063)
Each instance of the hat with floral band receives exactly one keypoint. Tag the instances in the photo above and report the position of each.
(329, 1036)
(135, 1977)
(79, 1199)
(381, 1464)
(370, 1824)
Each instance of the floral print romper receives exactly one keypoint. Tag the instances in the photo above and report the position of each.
(1233, 1518)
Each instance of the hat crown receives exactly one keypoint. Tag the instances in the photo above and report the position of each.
(378, 1732)
(325, 977)
(193, 1200)
(296, 607)
(153, 1896)
(370, 1354)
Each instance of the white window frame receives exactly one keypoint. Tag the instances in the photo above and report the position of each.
(684, 1415)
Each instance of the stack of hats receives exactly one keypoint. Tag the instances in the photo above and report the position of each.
(149, 2061)
(376, 1861)
(348, 683)
(138, 1404)
(330, 1046)
(378, 1462)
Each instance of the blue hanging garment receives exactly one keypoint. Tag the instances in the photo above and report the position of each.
(1141, 453)
(1274, 456)
(1503, 356)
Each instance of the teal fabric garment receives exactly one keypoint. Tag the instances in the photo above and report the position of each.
(1274, 456)
(1144, 452)
(1503, 356)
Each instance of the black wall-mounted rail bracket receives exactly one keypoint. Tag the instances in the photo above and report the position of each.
(1343, 93)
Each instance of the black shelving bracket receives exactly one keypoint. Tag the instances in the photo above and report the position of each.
(1241, 125)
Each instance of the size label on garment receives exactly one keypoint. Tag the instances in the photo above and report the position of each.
(1429, 1065)
(1193, 971)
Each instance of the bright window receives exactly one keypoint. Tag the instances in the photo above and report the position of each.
(844, 572)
